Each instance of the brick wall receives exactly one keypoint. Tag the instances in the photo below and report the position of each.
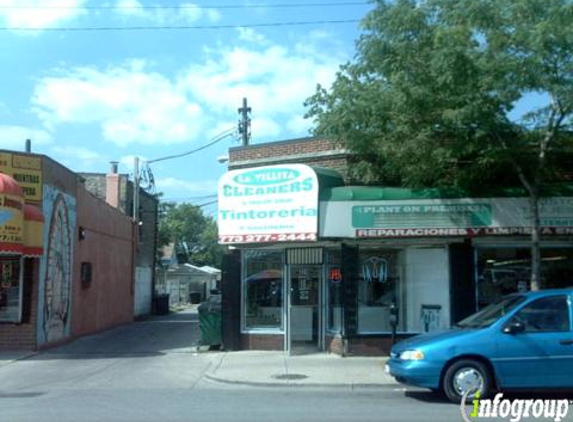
(282, 148)
(262, 342)
(108, 300)
(96, 184)
(318, 152)
(372, 346)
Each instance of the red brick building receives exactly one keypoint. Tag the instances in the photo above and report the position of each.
(66, 257)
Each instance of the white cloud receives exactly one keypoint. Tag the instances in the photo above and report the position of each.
(39, 13)
(135, 104)
(79, 158)
(127, 163)
(214, 15)
(276, 80)
(298, 124)
(132, 105)
(185, 187)
(185, 13)
(265, 127)
(14, 137)
(252, 36)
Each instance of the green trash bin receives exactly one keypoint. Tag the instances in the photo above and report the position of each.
(210, 325)
(161, 304)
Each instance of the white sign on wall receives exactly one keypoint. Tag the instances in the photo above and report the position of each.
(444, 217)
(268, 204)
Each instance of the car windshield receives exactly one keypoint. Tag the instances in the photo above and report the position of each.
(491, 313)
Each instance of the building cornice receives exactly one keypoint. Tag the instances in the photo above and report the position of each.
(339, 153)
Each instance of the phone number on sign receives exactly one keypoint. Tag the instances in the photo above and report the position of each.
(254, 238)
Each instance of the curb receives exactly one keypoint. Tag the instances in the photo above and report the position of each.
(19, 358)
(291, 384)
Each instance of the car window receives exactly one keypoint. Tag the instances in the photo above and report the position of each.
(491, 313)
(546, 314)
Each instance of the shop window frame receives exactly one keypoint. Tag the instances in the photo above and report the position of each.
(277, 330)
(21, 262)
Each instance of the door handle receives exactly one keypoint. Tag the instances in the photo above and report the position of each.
(566, 342)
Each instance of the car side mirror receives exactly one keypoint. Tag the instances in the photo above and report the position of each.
(514, 327)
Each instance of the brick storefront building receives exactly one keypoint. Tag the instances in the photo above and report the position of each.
(320, 263)
(66, 256)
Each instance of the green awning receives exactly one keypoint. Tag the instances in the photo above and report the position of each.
(375, 193)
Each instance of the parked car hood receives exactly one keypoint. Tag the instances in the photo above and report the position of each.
(448, 336)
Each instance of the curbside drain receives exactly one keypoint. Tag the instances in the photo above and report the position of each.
(290, 377)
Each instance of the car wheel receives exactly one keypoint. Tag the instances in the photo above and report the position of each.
(466, 377)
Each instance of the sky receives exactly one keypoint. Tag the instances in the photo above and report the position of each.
(87, 93)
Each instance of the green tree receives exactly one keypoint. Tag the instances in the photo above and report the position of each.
(428, 99)
(193, 234)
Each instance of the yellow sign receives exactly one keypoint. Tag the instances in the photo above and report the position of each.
(11, 223)
(26, 170)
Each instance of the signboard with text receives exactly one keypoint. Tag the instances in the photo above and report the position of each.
(444, 217)
(26, 170)
(11, 223)
(268, 204)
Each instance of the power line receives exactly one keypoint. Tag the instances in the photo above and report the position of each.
(217, 138)
(178, 27)
(189, 198)
(206, 204)
(190, 6)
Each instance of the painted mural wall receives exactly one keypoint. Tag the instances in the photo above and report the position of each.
(56, 267)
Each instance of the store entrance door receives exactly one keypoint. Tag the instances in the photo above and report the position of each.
(304, 316)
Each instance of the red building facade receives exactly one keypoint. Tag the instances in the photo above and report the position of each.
(66, 256)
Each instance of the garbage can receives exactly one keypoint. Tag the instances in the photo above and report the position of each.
(210, 324)
(162, 304)
(195, 298)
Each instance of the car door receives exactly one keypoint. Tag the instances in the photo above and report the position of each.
(539, 353)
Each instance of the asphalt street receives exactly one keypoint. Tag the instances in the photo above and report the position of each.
(151, 372)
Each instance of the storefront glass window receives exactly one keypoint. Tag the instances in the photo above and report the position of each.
(415, 280)
(10, 289)
(334, 292)
(263, 288)
(502, 271)
(377, 289)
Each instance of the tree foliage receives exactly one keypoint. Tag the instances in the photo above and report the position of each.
(429, 97)
(433, 94)
(193, 234)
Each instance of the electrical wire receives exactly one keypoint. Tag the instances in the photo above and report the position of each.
(207, 203)
(215, 139)
(190, 198)
(177, 27)
(190, 6)
(146, 175)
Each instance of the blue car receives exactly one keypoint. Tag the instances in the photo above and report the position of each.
(523, 341)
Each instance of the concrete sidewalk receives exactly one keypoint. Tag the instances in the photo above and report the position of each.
(268, 369)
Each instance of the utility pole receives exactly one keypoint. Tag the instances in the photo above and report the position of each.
(245, 123)
(136, 190)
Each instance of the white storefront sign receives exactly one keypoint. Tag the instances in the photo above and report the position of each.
(444, 217)
(268, 204)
